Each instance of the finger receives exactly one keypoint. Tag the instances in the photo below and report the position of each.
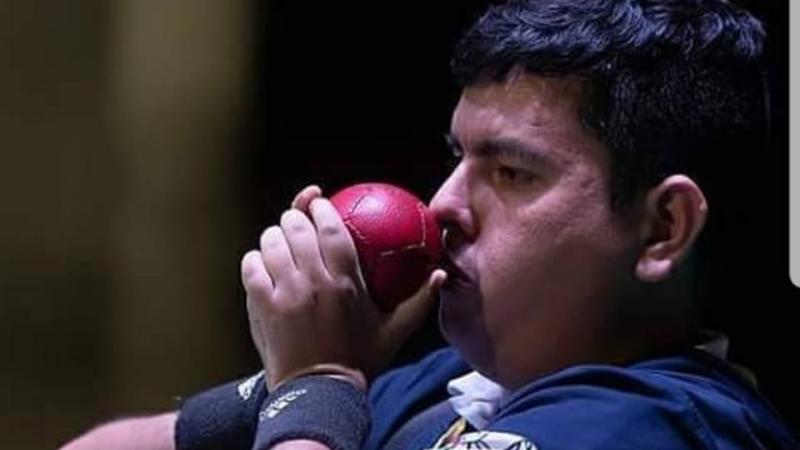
(255, 278)
(410, 314)
(304, 197)
(256, 312)
(301, 236)
(259, 287)
(335, 243)
(277, 257)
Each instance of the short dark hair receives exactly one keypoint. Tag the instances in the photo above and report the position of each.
(674, 85)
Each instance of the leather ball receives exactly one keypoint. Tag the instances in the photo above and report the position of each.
(397, 239)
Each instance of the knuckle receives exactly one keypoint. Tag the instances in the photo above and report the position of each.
(293, 302)
(317, 281)
(345, 288)
(258, 288)
(270, 238)
(331, 231)
(293, 221)
(249, 268)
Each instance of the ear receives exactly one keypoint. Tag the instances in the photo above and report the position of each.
(675, 212)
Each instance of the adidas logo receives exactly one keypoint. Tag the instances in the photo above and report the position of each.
(280, 404)
(247, 386)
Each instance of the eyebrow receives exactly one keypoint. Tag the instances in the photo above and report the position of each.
(504, 147)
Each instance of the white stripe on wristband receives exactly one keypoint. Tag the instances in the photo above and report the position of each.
(318, 408)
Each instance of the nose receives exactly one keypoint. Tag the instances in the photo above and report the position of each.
(452, 208)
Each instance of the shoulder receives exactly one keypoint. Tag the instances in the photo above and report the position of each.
(677, 402)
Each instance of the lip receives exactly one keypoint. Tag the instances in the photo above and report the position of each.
(455, 274)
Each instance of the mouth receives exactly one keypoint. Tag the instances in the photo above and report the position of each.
(456, 276)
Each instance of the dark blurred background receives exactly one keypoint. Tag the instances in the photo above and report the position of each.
(145, 145)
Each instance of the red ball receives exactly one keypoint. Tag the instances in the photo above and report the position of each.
(396, 236)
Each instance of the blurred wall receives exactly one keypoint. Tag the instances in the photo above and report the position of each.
(178, 74)
(120, 223)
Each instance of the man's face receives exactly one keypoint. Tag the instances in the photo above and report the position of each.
(529, 224)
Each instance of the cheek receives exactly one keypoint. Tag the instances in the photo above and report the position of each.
(517, 245)
(512, 267)
(553, 257)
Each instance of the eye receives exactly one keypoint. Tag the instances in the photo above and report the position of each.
(511, 175)
(453, 160)
(455, 153)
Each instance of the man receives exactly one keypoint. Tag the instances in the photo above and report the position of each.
(584, 136)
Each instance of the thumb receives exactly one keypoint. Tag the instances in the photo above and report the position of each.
(410, 314)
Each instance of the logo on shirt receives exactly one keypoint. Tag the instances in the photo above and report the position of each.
(280, 403)
(487, 440)
(247, 386)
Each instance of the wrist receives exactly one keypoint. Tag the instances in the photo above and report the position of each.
(222, 417)
(336, 371)
(315, 408)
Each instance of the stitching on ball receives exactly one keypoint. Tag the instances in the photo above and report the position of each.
(355, 230)
(421, 211)
(355, 205)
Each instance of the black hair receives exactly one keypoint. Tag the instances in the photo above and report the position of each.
(675, 86)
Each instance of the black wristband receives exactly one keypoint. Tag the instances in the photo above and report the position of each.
(318, 408)
(224, 417)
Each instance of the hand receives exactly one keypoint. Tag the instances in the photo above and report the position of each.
(308, 303)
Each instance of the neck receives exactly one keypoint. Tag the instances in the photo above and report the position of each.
(653, 324)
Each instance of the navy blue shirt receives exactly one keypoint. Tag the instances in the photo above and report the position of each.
(690, 400)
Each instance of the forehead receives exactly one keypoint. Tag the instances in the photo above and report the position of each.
(525, 93)
(521, 99)
(524, 106)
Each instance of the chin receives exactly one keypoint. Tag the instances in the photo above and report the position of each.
(467, 334)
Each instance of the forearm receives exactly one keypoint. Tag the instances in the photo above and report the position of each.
(141, 433)
(224, 416)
